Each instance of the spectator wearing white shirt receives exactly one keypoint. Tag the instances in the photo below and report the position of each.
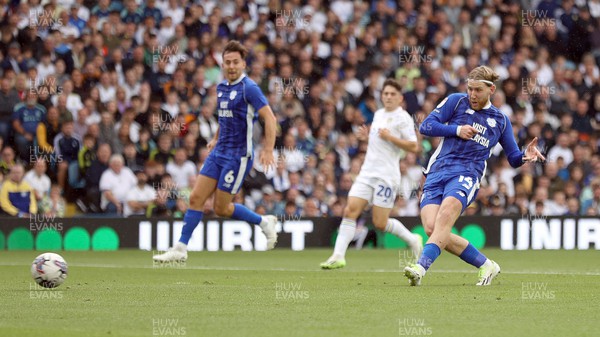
(148, 26)
(343, 9)
(115, 183)
(131, 85)
(172, 104)
(166, 31)
(83, 12)
(45, 67)
(281, 181)
(107, 91)
(208, 123)
(74, 103)
(181, 169)
(128, 117)
(37, 178)
(174, 11)
(561, 149)
(290, 156)
(139, 197)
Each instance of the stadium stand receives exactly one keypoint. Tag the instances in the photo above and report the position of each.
(140, 76)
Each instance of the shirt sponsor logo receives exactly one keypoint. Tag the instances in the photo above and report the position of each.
(225, 113)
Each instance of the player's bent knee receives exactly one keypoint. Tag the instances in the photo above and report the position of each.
(196, 201)
(428, 230)
(222, 210)
(351, 212)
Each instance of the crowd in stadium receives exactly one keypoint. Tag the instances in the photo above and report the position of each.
(107, 102)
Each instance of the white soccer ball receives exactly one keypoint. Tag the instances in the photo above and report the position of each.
(49, 270)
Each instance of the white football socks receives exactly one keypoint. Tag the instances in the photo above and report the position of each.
(345, 236)
(397, 228)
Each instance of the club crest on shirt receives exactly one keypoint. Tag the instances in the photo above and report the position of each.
(232, 95)
(220, 94)
(491, 122)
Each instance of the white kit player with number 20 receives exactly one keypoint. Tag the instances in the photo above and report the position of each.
(392, 130)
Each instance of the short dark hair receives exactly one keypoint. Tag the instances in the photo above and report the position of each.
(235, 46)
(392, 83)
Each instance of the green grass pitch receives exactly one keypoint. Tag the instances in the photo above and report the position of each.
(283, 293)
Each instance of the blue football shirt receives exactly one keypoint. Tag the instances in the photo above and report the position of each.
(455, 154)
(237, 106)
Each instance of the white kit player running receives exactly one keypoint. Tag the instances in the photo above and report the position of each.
(379, 178)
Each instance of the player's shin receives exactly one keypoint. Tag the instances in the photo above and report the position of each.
(191, 219)
(473, 256)
(345, 236)
(398, 229)
(431, 251)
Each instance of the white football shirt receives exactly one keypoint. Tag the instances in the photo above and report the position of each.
(382, 160)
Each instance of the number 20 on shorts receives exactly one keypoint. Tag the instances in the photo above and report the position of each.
(384, 191)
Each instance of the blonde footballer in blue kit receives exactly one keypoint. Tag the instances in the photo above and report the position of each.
(470, 126)
(392, 130)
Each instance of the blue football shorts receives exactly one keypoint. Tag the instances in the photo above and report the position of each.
(229, 172)
(440, 185)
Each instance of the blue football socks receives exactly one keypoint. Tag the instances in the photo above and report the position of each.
(191, 219)
(473, 256)
(431, 251)
(241, 212)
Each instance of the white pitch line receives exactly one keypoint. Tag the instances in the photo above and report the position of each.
(180, 266)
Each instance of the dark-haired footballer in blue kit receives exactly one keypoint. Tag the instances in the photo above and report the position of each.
(470, 126)
(239, 104)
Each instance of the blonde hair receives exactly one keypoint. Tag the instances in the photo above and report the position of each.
(483, 73)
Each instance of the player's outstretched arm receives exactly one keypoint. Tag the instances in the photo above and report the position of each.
(515, 156)
(267, 159)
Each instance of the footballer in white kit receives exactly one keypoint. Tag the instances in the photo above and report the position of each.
(379, 179)
(378, 182)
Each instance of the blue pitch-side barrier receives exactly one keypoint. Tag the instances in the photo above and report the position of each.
(295, 233)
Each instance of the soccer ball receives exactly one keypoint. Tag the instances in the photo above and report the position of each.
(49, 270)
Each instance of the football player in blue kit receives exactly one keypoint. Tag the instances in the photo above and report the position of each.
(470, 127)
(239, 104)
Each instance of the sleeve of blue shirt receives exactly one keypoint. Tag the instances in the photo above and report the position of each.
(255, 97)
(434, 125)
(508, 143)
(16, 115)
